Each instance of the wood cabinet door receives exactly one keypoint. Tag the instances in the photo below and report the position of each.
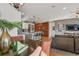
(45, 29)
(77, 45)
(38, 27)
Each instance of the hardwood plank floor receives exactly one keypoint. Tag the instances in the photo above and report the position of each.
(57, 52)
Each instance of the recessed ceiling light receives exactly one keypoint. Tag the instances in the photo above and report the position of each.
(53, 6)
(64, 8)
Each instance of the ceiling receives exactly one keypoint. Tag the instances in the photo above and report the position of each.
(48, 11)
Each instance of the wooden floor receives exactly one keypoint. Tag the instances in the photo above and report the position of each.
(57, 52)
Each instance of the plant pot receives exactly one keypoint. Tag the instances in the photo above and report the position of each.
(5, 41)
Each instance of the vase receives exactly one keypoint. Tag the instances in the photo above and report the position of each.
(5, 41)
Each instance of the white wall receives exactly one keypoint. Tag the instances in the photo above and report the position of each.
(51, 31)
(10, 13)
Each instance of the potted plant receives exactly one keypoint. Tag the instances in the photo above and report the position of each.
(5, 39)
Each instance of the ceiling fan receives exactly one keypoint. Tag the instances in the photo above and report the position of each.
(18, 6)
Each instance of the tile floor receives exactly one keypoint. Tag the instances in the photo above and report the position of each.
(65, 53)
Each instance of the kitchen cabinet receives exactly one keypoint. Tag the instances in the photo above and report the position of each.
(38, 27)
(77, 44)
(44, 27)
(64, 42)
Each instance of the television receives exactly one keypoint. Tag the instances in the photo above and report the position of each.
(72, 27)
(77, 27)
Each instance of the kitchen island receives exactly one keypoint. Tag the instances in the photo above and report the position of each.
(67, 43)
